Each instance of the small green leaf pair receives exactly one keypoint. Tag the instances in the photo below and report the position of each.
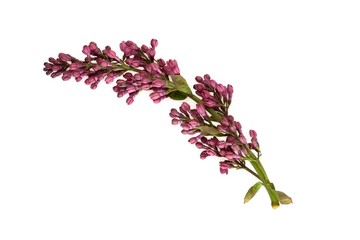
(282, 197)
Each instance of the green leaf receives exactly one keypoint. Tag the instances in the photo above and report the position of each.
(178, 89)
(252, 191)
(209, 131)
(177, 95)
(180, 84)
(283, 198)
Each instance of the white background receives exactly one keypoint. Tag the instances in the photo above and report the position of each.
(81, 164)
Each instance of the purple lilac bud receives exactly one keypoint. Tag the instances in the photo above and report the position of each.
(175, 121)
(130, 100)
(110, 53)
(91, 49)
(174, 113)
(201, 110)
(222, 144)
(185, 108)
(67, 75)
(252, 133)
(200, 145)
(129, 48)
(243, 139)
(150, 51)
(103, 63)
(154, 43)
(235, 147)
(203, 155)
(224, 171)
(76, 65)
(111, 76)
(210, 103)
(208, 152)
(64, 57)
(86, 50)
(157, 84)
(230, 91)
(225, 122)
(161, 62)
(158, 94)
(154, 70)
(254, 141)
(145, 48)
(213, 94)
(225, 166)
(194, 140)
(171, 68)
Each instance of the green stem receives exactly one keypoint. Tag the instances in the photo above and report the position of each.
(266, 182)
(250, 171)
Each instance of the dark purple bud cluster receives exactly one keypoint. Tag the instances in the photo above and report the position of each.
(98, 65)
(214, 95)
(138, 66)
(132, 84)
(222, 137)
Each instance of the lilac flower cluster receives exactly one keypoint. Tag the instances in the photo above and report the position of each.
(98, 65)
(217, 133)
(213, 130)
(138, 66)
(225, 139)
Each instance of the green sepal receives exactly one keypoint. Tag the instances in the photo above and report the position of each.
(177, 95)
(252, 191)
(283, 198)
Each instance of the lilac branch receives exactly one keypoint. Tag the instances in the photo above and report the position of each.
(213, 130)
